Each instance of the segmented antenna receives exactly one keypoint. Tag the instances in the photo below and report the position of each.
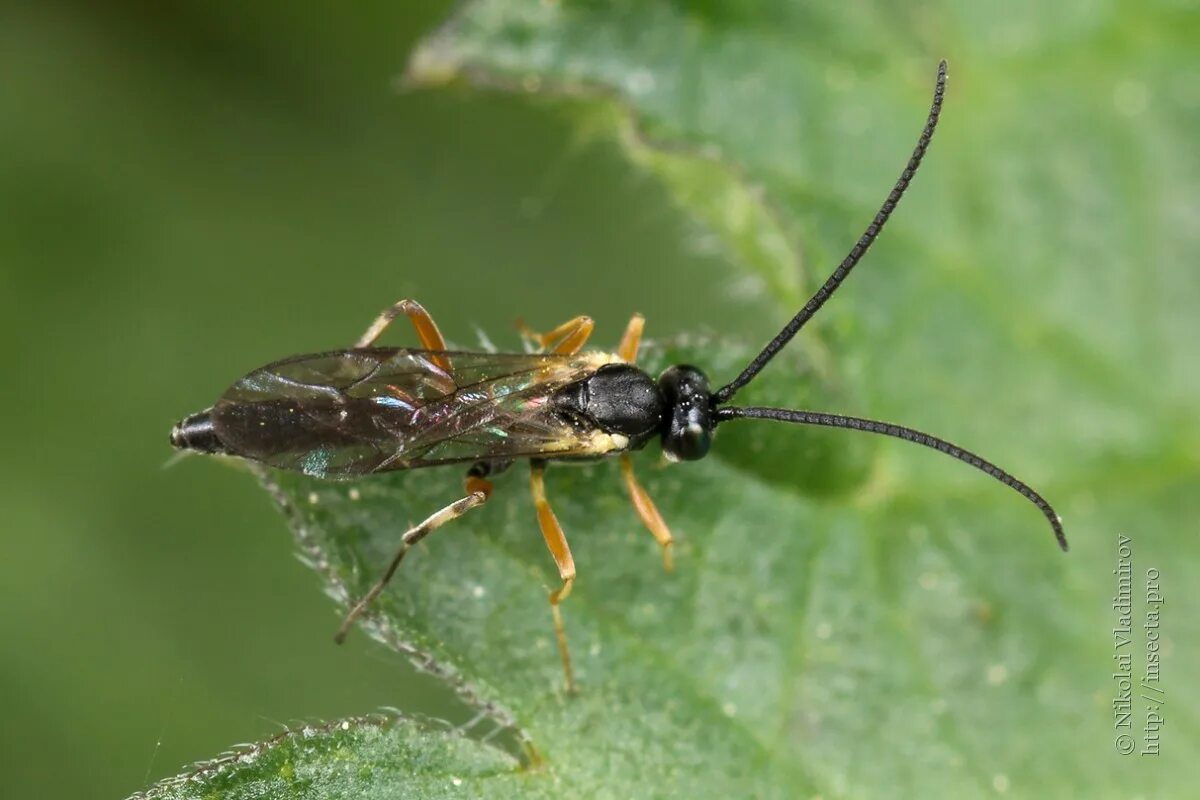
(826, 291)
(909, 435)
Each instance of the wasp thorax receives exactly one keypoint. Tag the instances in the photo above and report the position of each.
(617, 399)
(688, 428)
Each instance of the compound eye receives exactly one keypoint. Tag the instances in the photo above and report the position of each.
(691, 443)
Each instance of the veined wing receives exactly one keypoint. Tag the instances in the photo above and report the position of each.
(346, 413)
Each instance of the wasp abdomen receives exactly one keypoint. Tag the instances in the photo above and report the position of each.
(197, 433)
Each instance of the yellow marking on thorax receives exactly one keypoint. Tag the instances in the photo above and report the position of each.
(598, 358)
(579, 367)
(601, 442)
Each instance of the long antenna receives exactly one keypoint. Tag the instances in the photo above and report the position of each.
(909, 435)
(826, 291)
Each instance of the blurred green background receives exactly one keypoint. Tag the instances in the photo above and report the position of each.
(186, 194)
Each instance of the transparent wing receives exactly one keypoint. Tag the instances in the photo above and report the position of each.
(352, 412)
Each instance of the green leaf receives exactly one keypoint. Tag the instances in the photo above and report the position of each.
(363, 757)
(848, 618)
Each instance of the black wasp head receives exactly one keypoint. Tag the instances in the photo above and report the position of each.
(688, 423)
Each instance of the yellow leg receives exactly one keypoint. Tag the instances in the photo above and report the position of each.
(632, 338)
(427, 329)
(648, 512)
(567, 339)
(478, 491)
(556, 541)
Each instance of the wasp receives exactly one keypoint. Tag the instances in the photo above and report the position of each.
(348, 413)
